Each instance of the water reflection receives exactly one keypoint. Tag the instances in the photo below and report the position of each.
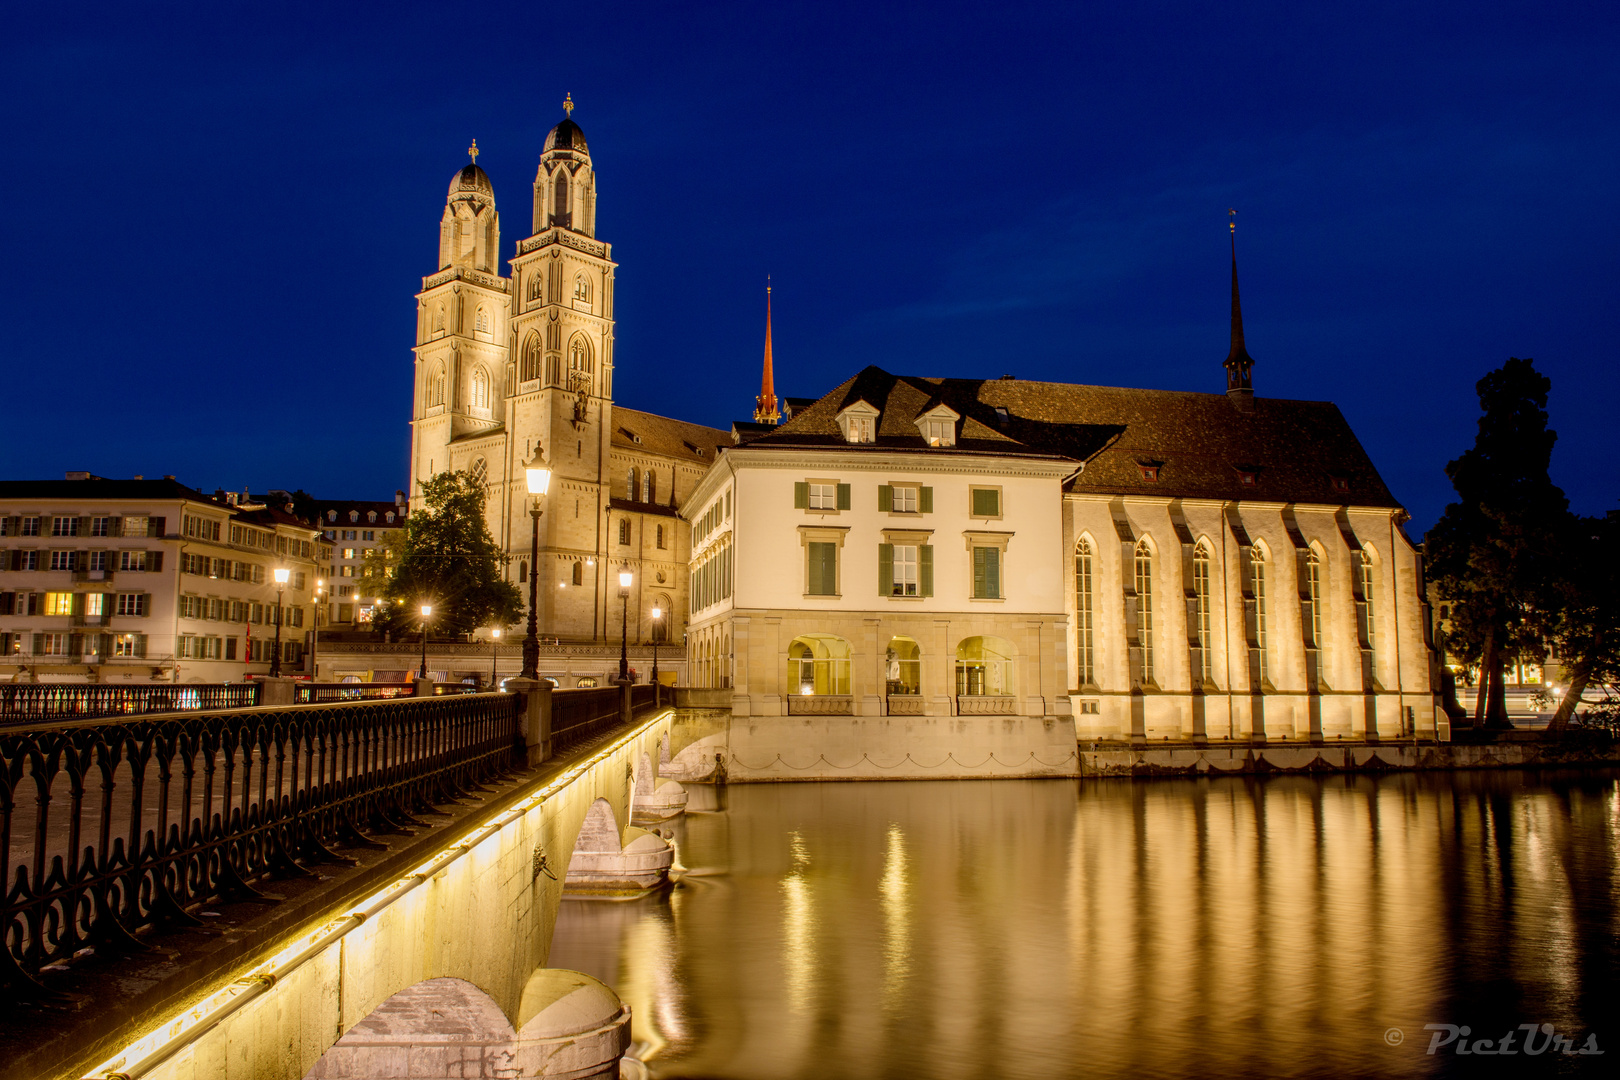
(1173, 928)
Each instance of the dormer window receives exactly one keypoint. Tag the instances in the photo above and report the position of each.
(859, 423)
(1248, 476)
(1341, 484)
(1001, 415)
(1150, 470)
(938, 426)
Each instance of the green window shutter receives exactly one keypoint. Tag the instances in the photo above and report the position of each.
(925, 568)
(885, 498)
(39, 643)
(978, 571)
(885, 566)
(154, 562)
(823, 569)
(925, 500)
(986, 503)
(801, 495)
(140, 646)
(992, 572)
(843, 496)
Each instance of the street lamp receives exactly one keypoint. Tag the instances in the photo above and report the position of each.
(624, 624)
(282, 574)
(538, 477)
(494, 648)
(427, 609)
(315, 634)
(657, 613)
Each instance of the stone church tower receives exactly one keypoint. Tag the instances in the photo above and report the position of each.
(504, 364)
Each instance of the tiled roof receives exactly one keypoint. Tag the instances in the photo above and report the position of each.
(1199, 445)
(99, 488)
(669, 438)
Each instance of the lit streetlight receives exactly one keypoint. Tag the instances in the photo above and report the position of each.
(282, 574)
(625, 578)
(494, 649)
(538, 477)
(427, 610)
(315, 634)
(657, 613)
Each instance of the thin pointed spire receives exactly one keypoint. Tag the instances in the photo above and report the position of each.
(765, 410)
(1238, 361)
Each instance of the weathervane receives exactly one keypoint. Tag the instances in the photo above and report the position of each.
(1232, 214)
(472, 151)
(568, 105)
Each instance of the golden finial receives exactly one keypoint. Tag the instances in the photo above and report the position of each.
(472, 151)
(767, 284)
(1232, 215)
(568, 105)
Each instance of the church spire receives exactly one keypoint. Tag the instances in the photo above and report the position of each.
(1239, 386)
(765, 410)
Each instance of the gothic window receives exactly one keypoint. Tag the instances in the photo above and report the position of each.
(479, 470)
(634, 481)
(579, 355)
(481, 324)
(537, 286)
(530, 365)
(559, 215)
(582, 289)
(1367, 590)
(438, 320)
(480, 389)
(1201, 605)
(660, 536)
(1144, 606)
(1259, 559)
(523, 570)
(579, 573)
(1085, 666)
(1313, 583)
(624, 530)
(647, 486)
(435, 386)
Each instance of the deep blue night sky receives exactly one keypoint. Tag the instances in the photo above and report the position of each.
(218, 215)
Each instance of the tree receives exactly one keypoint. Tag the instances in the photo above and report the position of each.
(448, 560)
(1586, 634)
(1492, 554)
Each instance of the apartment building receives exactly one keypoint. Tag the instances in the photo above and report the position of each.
(115, 581)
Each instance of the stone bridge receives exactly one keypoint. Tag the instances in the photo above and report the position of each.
(441, 971)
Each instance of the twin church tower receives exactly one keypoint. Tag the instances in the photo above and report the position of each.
(508, 362)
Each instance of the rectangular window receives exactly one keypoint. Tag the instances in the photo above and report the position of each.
(98, 560)
(101, 526)
(903, 499)
(348, 553)
(131, 560)
(624, 530)
(129, 645)
(823, 496)
(986, 573)
(27, 560)
(346, 571)
(64, 526)
(58, 603)
(904, 580)
(369, 534)
(62, 560)
(95, 603)
(135, 525)
(821, 577)
(52, 644)
(985, 502)
(30, 527)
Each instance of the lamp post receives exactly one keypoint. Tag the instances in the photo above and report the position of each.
(657, 613)
(282, 574)
(538, 478)
(624, 624)
(494, 649)
(315, 633)
(427, 610)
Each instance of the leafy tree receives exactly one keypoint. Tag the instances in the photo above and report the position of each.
(1586, 633)
(447, 559)
(1493, 552)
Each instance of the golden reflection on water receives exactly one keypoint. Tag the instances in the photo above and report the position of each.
(1168, 928)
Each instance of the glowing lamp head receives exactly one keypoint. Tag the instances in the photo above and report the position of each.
(624, 579)
(537, 473)
(427, 609)
(282, 574)
(658, 613)
(496, 633)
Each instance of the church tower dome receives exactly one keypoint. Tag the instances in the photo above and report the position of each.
(472, 179)
(565, 184)
(470, 230)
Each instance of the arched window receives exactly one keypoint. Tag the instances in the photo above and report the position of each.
(579, 355)
(633, 489)
(1084, 629)
(1144, 606)
(1201, 605)
(481, 323)
(559, 200)
(529, 368)
(523, 570)
(1313, 586)
(438, 319)
(537, 286)
(479, 470)
(647, 485)
(582, 289)
(1369, 591)
(818, 664)
(480, 389)
(902, 668)
(660, 537)
(435, 387)
(1258, 556)
(984, 667)
(579, 573)
(624, 530)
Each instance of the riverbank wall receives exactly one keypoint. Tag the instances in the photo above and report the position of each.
(1187, 760)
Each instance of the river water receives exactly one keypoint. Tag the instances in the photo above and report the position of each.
(1290, 926)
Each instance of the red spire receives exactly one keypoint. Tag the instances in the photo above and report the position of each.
(765, 411)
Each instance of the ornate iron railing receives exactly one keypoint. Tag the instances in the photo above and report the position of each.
(29, 702)
(577, 715)
(327, 693)
(108, 828)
